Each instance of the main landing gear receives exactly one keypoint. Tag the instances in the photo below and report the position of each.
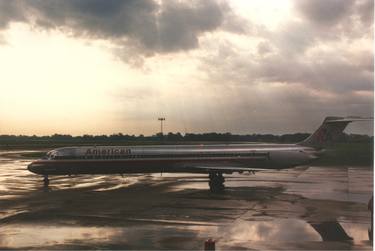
(45, 181)
(216, 182)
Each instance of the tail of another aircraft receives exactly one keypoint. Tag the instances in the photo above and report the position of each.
(329, 131)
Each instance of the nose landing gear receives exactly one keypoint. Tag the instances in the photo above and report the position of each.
(216, 182)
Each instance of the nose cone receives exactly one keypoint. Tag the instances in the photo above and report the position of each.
(30, 167)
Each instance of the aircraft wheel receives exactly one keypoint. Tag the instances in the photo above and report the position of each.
(46, 181)
(216, 182)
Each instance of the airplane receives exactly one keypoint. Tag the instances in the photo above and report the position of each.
(214, 160)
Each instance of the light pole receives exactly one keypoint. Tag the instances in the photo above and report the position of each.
(161, 125)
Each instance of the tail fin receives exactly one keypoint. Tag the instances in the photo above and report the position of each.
(330, 130)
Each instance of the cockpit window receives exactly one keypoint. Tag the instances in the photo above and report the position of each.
(51, 155)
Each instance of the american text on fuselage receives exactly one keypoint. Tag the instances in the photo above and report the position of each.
(107, 151)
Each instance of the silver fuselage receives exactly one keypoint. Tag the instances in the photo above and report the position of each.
(171, 158)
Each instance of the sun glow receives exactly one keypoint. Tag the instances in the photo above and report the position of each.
(269, 13)
(54, 83)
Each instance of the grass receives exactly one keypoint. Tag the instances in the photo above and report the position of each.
(33, 155)
(356, 154)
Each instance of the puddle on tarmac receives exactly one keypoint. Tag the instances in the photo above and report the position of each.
(283, 230)
(18, 236)
(277, 230)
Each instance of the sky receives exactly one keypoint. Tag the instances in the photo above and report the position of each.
(241, 66)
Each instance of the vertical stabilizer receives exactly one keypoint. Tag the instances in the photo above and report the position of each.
(329, 131)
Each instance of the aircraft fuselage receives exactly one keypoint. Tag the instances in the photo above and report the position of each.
(176, 158)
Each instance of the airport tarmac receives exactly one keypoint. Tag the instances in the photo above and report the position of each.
(313, 207)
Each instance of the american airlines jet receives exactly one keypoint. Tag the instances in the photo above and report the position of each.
(215, 160)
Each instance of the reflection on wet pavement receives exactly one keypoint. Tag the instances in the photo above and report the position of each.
(279, 230)
(302, 208)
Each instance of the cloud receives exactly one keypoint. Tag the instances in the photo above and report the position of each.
(264, 48)
(112, 20)
(318, 51)
(339, 70)
(179, 23)
(324, 13)
(328, 73)
(317, 61)
(10, 11)
(365, 10)
(152, 27)
(312, 64)
(329, 13)
(332, 19)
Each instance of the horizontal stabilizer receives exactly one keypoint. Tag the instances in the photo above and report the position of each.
(347, 119)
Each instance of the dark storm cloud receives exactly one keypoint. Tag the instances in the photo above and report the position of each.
(180, 23)
(103, 19)
(330, 19)
(332, 12)
(10, 11)
(152, 27)
(327, 12)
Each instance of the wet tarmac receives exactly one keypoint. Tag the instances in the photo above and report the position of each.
(303, 208)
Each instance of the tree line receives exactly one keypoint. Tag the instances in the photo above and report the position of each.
(173, 137)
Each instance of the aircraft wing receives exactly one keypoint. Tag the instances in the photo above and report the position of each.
(228, 169)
